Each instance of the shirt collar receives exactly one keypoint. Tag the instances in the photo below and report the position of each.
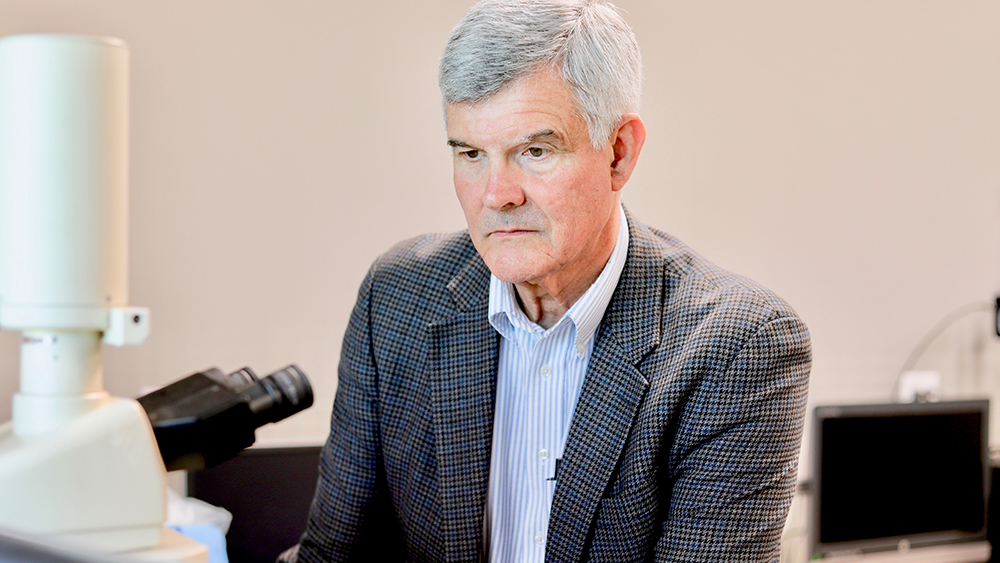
(585, 315)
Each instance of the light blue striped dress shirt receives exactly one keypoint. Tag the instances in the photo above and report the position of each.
(539, 378)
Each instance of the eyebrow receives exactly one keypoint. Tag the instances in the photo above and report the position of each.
(544, 134)
(540, 135)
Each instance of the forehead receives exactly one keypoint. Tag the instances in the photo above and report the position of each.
(540, 102)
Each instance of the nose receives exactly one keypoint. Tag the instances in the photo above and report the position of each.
(503, 189)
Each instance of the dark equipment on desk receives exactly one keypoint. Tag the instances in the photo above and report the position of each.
(209, 417)
(268, 491)
(900, 477)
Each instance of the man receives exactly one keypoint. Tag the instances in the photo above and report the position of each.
(560, 382)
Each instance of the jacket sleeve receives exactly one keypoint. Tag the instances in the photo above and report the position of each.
(351, 518)
(735, 455)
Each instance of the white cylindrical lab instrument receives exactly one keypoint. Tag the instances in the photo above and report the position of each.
(63, 181)
(75, 463)
(63, 216)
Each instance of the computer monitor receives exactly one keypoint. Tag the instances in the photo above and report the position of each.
(899, 477)
(268, 491)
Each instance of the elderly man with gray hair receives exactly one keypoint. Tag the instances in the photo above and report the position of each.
(559, 382)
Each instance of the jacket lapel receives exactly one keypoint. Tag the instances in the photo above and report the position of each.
(611, 394)
(462, 363)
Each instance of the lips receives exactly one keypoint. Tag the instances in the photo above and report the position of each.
(510, 232)
(510, 224)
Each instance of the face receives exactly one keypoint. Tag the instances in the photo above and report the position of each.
(541, 203)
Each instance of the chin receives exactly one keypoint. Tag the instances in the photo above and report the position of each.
(516, 265)
(513, 273)
(509, 275)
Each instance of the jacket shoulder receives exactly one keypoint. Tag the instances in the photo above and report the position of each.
(430, 271)
(695, 280)
(671, 300)
(434, 255)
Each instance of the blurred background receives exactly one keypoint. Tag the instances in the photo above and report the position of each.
(845, 154)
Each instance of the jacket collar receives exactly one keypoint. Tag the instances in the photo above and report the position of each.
(635, 312)
(462, 353)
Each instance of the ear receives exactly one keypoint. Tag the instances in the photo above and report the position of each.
(626, 144)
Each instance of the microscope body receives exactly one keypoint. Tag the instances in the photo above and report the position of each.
(75, 463)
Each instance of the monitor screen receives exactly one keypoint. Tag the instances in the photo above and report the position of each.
(268, 491)
(899, 474)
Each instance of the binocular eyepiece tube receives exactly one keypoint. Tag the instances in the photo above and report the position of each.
(209, 417)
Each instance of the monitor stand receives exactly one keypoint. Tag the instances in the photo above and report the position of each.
(971, 552)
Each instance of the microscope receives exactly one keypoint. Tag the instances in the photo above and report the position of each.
(77, 464)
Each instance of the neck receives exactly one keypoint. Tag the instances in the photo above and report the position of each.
(541, 307)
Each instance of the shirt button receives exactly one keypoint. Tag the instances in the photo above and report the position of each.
(539, 538)
(543, 453)
(546, 371)
(581, 349)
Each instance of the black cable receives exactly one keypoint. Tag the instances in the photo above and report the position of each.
(934, 332)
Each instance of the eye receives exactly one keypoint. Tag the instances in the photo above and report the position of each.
(536, 152)
(471, 154)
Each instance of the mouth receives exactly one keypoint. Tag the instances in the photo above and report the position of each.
(510, 232)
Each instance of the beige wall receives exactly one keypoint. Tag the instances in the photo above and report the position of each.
(845, 154)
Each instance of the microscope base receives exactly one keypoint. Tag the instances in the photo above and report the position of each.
(97, 481)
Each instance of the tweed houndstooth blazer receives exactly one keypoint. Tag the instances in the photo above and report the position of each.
(683, 446)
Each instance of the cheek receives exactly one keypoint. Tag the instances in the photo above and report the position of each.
(581, 212)
(462, 186)
(573, 198)
(467, 197)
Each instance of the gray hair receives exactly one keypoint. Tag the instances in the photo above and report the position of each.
(501, 41)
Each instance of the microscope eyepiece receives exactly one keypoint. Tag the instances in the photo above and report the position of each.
(277, 396)
(209, 417)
